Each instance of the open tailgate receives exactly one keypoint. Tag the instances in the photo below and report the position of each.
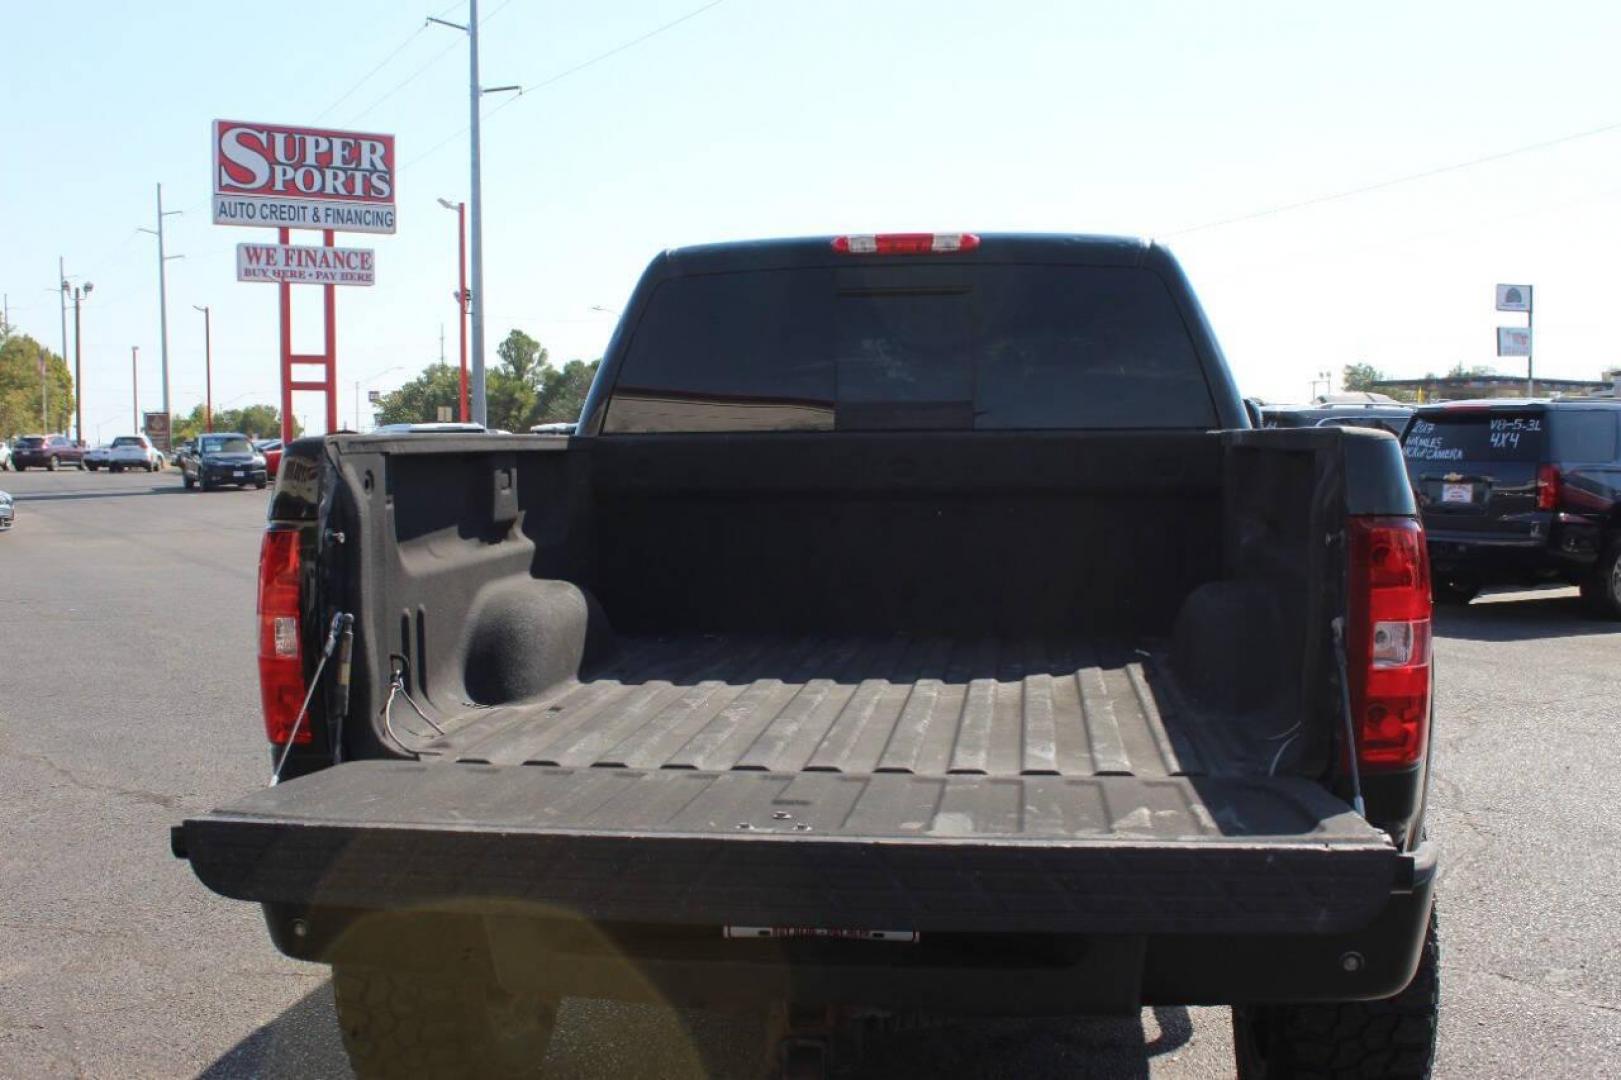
(1096, 854)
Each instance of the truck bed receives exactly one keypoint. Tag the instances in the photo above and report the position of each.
(1060, 706)
(895, 783)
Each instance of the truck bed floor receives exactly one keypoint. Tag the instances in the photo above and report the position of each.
(852, 705)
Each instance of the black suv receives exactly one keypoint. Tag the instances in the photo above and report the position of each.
(1520, 492)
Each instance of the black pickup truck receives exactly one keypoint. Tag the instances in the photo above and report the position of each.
(912, 625)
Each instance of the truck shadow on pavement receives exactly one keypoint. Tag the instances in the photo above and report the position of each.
(1522, 617)
(599, 1040)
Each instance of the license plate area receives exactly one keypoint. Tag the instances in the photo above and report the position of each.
(779, 933)
(238, 472)
(1457, 494)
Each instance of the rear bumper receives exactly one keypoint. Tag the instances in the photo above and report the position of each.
(1567, 547)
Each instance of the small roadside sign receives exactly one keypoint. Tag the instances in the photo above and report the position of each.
(444, 414)
(1513, 341)
(374, 396)
(1513, 298)
(157, 429)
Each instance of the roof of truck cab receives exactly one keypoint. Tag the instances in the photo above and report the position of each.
(993, 248)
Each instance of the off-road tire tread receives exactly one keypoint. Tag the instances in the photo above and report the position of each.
(400, 1024)
(1358, 1040)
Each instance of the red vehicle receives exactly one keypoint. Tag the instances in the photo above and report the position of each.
(271, 449)
(50, 451)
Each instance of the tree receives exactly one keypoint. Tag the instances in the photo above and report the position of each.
(1459, 371)
(419, 401)
(522, 391)
(1361, 376)
(562, 394)
(20, 361)
(255, 421)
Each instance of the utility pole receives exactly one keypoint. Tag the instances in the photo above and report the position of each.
(163, 295)
(44, 395)
(135, 384)
(78, 365)
(208, 371)
(1531, 343)
(475, 296)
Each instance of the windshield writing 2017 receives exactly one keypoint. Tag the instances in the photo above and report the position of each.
(1427, 442)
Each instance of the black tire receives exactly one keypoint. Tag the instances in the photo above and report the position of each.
(1601, 589)
(53, 464)
(187, 482)
(260, 484)
(203, 483)
(1394, 1037)
(1454, 590)
(399, 1024)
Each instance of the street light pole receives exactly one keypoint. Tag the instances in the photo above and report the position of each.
(367, 380)
(475, 300)
(208, 371)
(135, 385)
(461, 291)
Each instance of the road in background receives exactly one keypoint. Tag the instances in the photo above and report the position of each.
(128, 700)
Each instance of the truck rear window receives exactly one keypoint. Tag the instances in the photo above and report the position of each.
(1476, 436)
(912, 348)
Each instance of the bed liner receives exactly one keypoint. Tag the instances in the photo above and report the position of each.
(900, 783)
(1062, 706)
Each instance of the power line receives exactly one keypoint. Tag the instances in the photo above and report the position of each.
(403, 83)
(419, 72)
(1441, 170)
(565, 73)
(364, 79)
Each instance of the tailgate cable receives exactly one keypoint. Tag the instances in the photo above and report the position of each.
(342, 628)
(396, 689)
(1357, 804)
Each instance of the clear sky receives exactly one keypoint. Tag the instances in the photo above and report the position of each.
(765, 118)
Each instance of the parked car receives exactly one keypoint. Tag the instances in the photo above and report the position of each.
(49, 451)
(1520, 492)
(5, 456)
(98, 457)
(271, 449)
(8, 512)
(879, 642)
(1377, 416)
(180, 451)
(223, 458)
(134, 452)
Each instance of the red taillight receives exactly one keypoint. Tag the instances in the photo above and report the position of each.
(1388, 648)
(918, 243)
(1548, 487)
(281, 666)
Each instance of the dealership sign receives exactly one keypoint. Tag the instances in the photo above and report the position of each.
(301, 265)
(281, 177)
(1513, 298)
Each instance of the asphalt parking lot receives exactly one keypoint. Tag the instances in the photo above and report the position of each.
(128, 699)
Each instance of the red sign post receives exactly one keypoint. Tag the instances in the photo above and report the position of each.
(282, 177)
